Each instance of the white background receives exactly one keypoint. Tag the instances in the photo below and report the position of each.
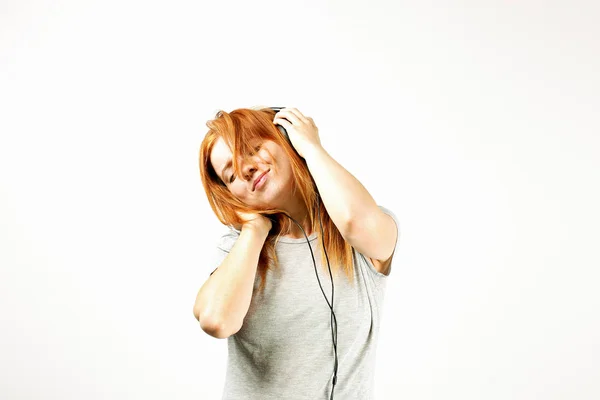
(475, 122)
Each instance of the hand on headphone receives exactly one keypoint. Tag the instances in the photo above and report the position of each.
(302, 131)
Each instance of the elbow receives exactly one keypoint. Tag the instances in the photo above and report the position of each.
(214, 327)
(217, 331)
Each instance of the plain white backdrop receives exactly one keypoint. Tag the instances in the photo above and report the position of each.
(477, 123)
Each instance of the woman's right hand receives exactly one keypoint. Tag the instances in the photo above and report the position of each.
(254, 220)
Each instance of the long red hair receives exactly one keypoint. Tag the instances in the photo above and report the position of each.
(239, 129)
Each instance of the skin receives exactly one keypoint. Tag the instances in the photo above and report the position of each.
(276, 191)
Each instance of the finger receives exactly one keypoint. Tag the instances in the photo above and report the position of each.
(296, 113)
(299, 114)
(283, 122)
(291, 117)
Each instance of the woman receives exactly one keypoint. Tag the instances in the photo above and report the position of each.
(285, 198)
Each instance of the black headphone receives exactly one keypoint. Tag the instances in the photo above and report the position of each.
(333, 319)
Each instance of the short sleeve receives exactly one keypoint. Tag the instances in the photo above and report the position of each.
(367, 265)
(397, 222)
(223, 247)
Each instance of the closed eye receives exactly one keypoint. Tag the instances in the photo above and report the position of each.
(232, 177)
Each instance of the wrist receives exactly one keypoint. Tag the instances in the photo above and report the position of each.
(258, 227)
(312, 152)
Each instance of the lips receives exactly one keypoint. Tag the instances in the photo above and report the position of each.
(258, 179)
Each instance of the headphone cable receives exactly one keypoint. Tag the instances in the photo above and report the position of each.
(333, 318)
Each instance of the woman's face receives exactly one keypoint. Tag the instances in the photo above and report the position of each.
(276, 185)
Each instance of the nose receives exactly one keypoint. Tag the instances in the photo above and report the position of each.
(249, 168)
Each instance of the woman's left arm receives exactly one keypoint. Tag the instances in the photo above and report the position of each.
(352, 208)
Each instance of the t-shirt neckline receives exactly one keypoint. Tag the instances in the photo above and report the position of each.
(283, 239)
(302, 239)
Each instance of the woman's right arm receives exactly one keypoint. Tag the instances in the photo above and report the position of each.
(223, 301)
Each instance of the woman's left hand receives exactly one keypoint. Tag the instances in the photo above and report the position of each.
(302, 130)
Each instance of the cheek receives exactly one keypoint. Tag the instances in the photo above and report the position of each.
(269, 155)
(237, 189)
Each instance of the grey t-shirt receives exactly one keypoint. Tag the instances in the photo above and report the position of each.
(284, 350)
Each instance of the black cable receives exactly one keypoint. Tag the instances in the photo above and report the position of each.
(333, 318)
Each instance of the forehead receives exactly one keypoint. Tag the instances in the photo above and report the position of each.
(220, 154)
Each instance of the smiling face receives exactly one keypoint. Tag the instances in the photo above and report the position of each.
(268, 157)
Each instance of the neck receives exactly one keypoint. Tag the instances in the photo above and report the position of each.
(297, 210)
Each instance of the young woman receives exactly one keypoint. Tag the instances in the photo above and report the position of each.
(285, 199)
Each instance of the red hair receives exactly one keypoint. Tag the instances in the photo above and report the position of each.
(239, 129)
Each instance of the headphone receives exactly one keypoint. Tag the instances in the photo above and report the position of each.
(333, 319)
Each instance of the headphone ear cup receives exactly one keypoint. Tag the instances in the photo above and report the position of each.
(283, 132)
(282, 129)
